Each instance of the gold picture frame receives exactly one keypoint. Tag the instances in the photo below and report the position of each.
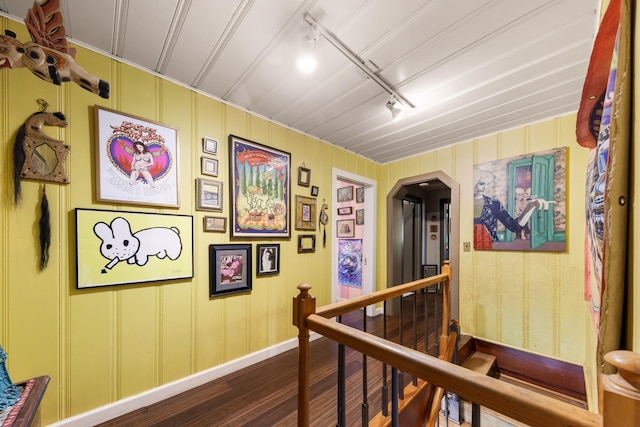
(306, 213)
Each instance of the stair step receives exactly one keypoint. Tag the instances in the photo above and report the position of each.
(480, 362)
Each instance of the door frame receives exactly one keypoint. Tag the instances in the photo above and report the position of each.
(369, 249)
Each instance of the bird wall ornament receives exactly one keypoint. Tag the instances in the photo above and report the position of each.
(48, 55)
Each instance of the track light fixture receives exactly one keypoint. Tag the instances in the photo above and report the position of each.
(395, 107)
(307, 60)
(397, 101)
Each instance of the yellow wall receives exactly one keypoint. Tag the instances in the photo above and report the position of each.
(101, 345)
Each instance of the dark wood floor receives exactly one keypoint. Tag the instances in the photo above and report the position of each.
(265, 394)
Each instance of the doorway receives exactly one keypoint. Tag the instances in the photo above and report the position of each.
(439, 196)
(353, 236)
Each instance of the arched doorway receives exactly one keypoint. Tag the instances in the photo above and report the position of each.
(434, 189)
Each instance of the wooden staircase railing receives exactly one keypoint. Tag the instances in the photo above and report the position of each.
(620, 395)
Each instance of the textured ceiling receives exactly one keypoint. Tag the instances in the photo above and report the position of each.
(471, 67)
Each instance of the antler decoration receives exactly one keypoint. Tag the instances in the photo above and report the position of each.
(48, 56)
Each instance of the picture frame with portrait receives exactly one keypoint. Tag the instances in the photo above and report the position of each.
(345, 228)
(267, 259)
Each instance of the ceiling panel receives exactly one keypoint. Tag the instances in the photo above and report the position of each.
(470, 67)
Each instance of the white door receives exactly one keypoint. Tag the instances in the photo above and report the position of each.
(352, 214)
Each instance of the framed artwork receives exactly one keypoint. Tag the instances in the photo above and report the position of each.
(429, 270)
(215, 223)
(304, 176)
(360, 195)
(350, 262)
(523, 201)
(119, 248)
(345, 210)
(136, 160)
(360, 217)
(433, 228)
(306, 243)
(208, 194)
(267, 259)
(345, 228)
(209, 166)
(209, 145)
(314, 191)
(260, 187)
(229, 269)
(345, 194)
(305, 213)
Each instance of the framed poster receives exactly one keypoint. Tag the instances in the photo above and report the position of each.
(260, 179)
(119, 248)
(268, 259)
(229, 269)
(136, 160)
(350, 262)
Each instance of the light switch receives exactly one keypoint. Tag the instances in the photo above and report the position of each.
(466, 246)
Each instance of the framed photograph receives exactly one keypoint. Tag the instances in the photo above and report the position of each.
(314, 191)
(229, 269)
(304, 176)
(360, 217)
(429, 270)
(209, 166)
(260, 189)
(136, 160)
(345, 194)
(120, 248)
(433, 228)
(345, 228)
(306, 243)
(208, 194)
(267, 259)
(360, 195)
(209, 145)
(305, 213)
(215, 223)
(345, 210)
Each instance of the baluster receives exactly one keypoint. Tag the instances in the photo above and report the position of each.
(342, 420)
(401, 328)
(385, 387)
(415, 329)
(394, 397)
(365, 394)
(303, 305)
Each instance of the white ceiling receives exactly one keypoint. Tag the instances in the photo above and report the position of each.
(470, 67)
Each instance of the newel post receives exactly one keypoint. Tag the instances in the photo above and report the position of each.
(303, 305)
(620, 392)
(446, 307)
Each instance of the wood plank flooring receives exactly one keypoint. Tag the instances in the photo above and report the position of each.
(265, 394)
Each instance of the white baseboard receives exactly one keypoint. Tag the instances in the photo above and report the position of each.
(149, 397)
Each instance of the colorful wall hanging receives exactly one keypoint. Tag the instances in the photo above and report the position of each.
(48, 56)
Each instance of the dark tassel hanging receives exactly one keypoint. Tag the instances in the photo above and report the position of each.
(45, 230)
(18, 161)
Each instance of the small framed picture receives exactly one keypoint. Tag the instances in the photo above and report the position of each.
(229, 269)
(359, 216)
(314, 191)
(209, 195)
(267, 259)
(215, 223)
(360, 195)
(433, 228)
(345, 210)
(345, 228)
(305, 213)
(345, 194)
(304, 176)
(210, 145)
(209, 166)
(306, 243)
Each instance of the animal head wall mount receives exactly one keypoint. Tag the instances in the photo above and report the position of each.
(48, 56)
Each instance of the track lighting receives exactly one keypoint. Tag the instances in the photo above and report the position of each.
(396, 104)
(307, 60)
(395, 107)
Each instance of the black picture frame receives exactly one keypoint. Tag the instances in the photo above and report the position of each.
(304, 176)
(306, 243)
(345, 210)
(230, 269)
(429, 270)
(267, 259)
(314, 191)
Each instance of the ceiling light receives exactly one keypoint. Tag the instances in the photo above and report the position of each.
(307, 60)
(395, 107)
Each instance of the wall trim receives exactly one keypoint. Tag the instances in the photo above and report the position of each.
(165, 391)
